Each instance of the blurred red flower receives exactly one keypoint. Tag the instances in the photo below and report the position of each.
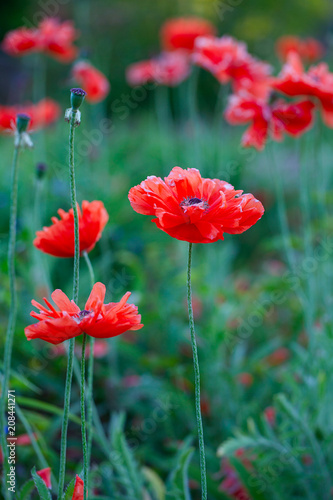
(92, 80)
(316, 82)
(101, 348)
(24, 439)
(268, 120)
(228, 60)
(42, 114)
(58, 239)
(98, 320)
(21, 41)
(181, 32)
(45, 474)
(245, 379)
(139, 73)
(51, 36)
(191, 208)
(169, 68)
(56, 39)
(78, 489)
(231, 483)
(278, 357)
(309, 49)
(270, 415)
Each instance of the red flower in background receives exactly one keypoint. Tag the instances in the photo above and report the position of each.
(92, 80)
(78, 489)
(191, 208)
(228, 60)
(58, 239)
(268, 120)
(21, 41)
(169, 68)
(270, 415)
(42, 114)
(51, 36)
(45, 474)
(56, 39)
(308, 49)
(97, 319)
(181, 32)
(231, 483)
(316, 82)
(139, 73)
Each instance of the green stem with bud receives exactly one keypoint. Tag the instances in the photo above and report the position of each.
(70, 362)
(12, 315)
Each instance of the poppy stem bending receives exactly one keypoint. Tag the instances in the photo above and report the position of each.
(70, 361)
(197, 379)
(90, 369)
(12, 313)
(83, 417)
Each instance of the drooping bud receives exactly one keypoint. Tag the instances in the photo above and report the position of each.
(22, 122)
(40, 170)
(77, 98)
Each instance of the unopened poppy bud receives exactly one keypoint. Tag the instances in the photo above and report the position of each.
(40, 170)
(22, 122)
(77, 98)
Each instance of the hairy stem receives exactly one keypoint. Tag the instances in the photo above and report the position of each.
(90, 373)
(197, 380)
(69, 374)
(12, 314)
(83, 417)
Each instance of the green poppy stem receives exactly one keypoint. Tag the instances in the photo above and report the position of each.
(70, 361)
(197, 380)
(90, 372)
(12, 315)
(83, 417)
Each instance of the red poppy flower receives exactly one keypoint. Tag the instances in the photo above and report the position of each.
(51, 36)
(316, 82)
(92, 80)
(181, 32)
(58, 239)
(169, 68)
(21, 41)
(270, 415)
(139, 73)
(45, 474)
(228, 60)
(278, 357)
(245, 379)
(97, 319)
(78, 489)
(308, 49)
(56, 39)
(266, 119)
(193, 209)
(231, 483)
(42, 114)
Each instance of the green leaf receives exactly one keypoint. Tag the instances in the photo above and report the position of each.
(178, 480)
(155, 482)
(69, 491)
(25, 491)
(40, 405)
(44, 492)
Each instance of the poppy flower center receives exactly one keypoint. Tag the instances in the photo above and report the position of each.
(84, 313)
(192, 202)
